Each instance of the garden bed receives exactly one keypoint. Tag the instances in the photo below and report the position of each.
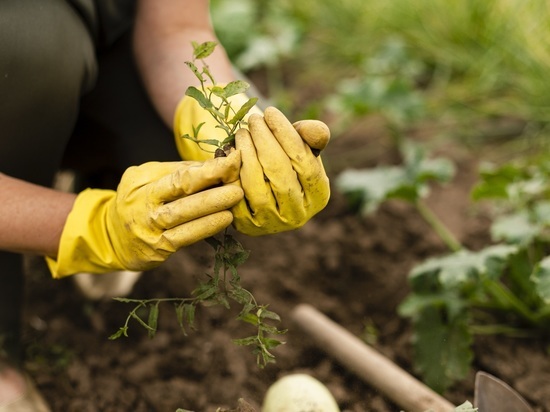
(353, 269)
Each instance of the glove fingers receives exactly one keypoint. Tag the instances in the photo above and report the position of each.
(276, 165)
(198, 229)
(256, 190)
(187, 180)
(197, 205)
(314, 132)
(309, 169)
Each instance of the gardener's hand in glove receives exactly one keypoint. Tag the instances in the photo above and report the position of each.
(157, 209)
(284, 182)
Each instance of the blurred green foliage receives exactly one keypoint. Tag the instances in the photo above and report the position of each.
(460, 63)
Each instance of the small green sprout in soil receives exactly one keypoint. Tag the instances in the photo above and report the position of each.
(223, 285)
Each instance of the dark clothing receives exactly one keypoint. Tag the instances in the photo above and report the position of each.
(106, 20)
(70, 97)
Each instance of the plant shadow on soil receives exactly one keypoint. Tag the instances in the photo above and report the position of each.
(353, 269)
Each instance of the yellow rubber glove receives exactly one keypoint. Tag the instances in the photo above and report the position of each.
(284, 182)
(298, 187)
(190, 114)
(157, 209)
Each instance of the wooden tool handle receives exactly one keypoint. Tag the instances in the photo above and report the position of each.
(371, 366)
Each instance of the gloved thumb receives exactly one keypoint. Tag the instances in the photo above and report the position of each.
(314, 132)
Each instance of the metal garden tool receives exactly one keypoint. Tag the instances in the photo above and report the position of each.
(493, 395)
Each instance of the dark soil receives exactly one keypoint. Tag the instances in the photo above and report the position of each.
(353, 269)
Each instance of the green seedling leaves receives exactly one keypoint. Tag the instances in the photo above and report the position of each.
(185, 314)
(243, 111)
(222, 286)
(199, 96)
(122, 331)
(215, 99)
(235, 87)
(152, 322)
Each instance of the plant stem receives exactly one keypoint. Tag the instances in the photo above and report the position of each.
(438, 226)
(510, 301)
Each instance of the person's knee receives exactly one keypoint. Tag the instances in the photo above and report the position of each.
(47, 54)
(46, 63)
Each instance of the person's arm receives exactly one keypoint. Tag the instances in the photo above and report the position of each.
(163, 35)
(164, 30)
(32, 217)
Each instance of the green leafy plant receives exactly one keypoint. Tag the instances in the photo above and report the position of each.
(503, 288)
(223, 285)
(214, 98)
(386, 84)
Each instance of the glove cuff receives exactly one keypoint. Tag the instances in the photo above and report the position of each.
(189, 114)
(85, 244)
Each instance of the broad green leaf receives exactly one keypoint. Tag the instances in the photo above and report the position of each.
(541, 278)
(408, 182)
(464, 266)
(514, 228)
(542, 213)
(443, 353)
(415, 303)
(496, 259)
(374, 185)
(494, 181)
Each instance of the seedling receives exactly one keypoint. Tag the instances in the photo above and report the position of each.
(215, 100)
(223, 284)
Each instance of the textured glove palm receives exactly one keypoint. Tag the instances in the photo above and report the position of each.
(157, 209)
